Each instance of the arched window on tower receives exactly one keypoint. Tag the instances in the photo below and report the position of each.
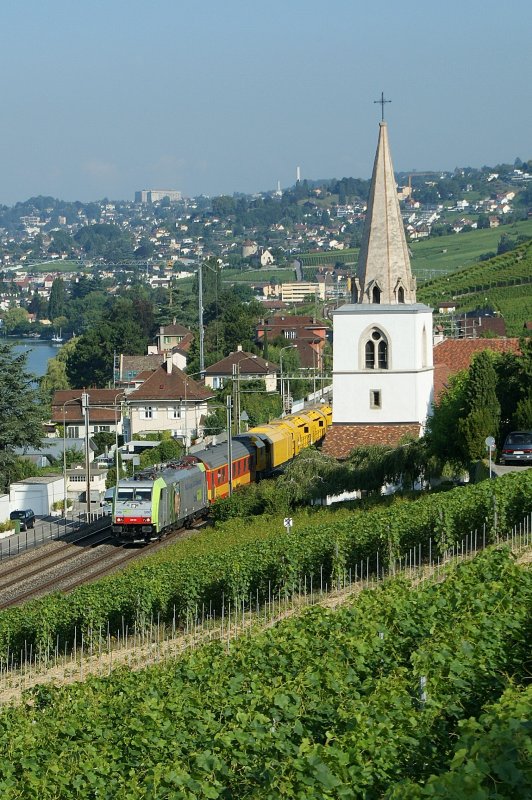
(400, 295)
(375, 294)
(376, 350)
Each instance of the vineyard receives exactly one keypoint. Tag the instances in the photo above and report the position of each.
(236, 560)
(406, 691)
(327, 258)
(514, 303)
(509, 269)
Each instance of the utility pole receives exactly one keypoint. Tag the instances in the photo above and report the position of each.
(229, 444)
(200, 321)
(236, 395)
(85, 408)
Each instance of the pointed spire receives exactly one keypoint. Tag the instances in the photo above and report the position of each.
(383, 272)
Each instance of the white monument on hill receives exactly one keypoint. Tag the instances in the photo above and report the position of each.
(382, 353)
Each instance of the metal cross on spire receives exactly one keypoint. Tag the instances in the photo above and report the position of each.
(382, 101)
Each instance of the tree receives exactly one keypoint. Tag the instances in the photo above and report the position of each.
(20, 417)
(482, 410)
(16, 320)
(57, 303)
(441, 434)
(37, 305)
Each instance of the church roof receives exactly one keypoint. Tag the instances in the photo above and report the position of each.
(384, 261)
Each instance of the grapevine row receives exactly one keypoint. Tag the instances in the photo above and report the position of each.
(325, 705)
(236, 559)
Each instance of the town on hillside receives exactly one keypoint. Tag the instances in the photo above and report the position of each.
(165, 307)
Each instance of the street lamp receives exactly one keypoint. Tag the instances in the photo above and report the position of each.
(288, 347)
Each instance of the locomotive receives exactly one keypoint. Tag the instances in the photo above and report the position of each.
(158, 500)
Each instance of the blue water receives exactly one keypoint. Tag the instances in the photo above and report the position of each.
(37, 353)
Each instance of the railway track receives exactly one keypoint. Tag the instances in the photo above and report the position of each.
(72, 566)
(27, 566)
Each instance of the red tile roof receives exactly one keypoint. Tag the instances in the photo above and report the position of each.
(163, 385)
(457, 354)
(104, 405)
(340, 439)
(174, 329)
(249, 364)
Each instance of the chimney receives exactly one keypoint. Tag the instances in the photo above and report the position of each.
(174, 320)
(239, 348)
(168, 364)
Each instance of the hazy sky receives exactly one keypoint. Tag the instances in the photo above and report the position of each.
(103, 97)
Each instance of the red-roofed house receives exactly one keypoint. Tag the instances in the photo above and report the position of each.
(169, 401)
(246, 366)
(453, 355)
(105, 411)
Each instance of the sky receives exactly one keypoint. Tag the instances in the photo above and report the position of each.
(103, 98)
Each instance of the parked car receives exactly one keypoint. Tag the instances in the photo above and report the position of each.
(107, 502)
(517, 448)
(26, 517)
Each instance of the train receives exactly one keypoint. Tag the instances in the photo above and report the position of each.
(157, 500)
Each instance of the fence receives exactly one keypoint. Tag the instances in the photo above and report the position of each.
(98, 652)
(48, 530)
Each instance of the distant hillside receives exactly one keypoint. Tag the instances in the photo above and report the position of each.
(503, 283)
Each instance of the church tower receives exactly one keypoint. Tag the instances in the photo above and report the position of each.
(382, 341)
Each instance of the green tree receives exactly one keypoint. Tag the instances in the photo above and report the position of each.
(62, 242)
(20, 415)
(482, 410)
(16, 320)
(57, 303)
(441, 435)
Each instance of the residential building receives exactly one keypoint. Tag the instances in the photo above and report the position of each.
(169, 400)
(242, 366)
(174, 335)
(105, 411)
(156, 195)
(299, 291)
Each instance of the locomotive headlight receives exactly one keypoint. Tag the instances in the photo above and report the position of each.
(146, 519)
(119, 519)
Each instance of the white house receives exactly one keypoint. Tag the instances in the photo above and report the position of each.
(169, 400)
(242, 366)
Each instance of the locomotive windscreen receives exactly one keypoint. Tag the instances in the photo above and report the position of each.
(128, 494)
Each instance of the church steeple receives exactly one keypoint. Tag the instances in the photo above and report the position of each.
(383, 273)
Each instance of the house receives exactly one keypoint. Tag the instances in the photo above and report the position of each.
(77, 482)
(473, 325)
(174, 335)
(105, 411)
(307, 333)
(453, 355)
(169, 400)
(249, 248)
(299, 291)
(447, 308)
(242, 366)
(132, 371)
(51, 450)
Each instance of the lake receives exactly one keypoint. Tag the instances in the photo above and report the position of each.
(38, 352)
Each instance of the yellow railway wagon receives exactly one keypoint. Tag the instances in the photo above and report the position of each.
(279, 444)
(298, 427)
(319, 422)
